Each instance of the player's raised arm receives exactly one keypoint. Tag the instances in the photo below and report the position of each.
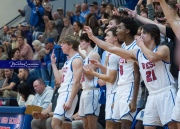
(109, 47)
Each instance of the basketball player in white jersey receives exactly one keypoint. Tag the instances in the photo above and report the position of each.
(70, 83)
(129, 77)
(154, 64)
(111, 77)
(89, 106)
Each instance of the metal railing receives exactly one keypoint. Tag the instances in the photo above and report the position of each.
(10, 22)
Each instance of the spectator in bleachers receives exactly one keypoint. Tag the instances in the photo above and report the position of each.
(50, 31)
(78, 7)
(46, 70)
(102, 9)
(24, 76)
(43, 120)
(157, 7)
(34, 19)
(48, 6)
(18, 33)
(92, 22)
(37, 45)
(58, 22)
(94, 9)
(26, 12)
(14, 43)
(43, 94)
(4, 36)
(15, 54)
(84, 10)
(61, 13)
(26, 52)
(26, 95)
(3, 55)
(9, 87)
(68, 28)
(130, 3)
(77, 17)
(109, 9)
(26, 33)
(77, 28)
(2, 77)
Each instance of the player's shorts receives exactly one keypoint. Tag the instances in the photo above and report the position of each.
(89, 104)
(176, 109)
(159, 107)
(59, 111)
(140, 115)
(123, 98)
(109, 106)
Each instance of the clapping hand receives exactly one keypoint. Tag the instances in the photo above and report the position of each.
(87, 69)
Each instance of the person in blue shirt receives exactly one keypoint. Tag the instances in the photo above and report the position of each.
(34, 19)
(84, 10)
(46, 69)
(77, 17)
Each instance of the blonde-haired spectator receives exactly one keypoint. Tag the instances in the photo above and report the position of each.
(50, 31)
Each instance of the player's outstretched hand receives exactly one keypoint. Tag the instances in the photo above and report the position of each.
(88, 30)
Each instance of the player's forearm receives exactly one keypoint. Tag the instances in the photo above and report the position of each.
(57, 75)
(136, 82)
(105, 77)
(103, 69)
(150, 55)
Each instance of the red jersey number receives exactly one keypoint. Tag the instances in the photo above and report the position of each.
(150, 76)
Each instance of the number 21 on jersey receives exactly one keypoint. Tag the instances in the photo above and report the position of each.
(150, 76)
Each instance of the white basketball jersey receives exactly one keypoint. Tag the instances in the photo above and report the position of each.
(126, 67)
(86, 83)
(179, 78)
(67, 74)
(113, 64)
(155, 75)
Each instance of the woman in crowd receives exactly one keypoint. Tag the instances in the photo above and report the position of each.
(50, 31)
(77, 28)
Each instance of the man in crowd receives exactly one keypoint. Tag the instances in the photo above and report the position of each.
(26, 52)
(43, 94)
(26, 33)
(24, 76)
(68, 28)
(9, 87)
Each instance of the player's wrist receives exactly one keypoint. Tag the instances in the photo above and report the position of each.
(47, 115)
